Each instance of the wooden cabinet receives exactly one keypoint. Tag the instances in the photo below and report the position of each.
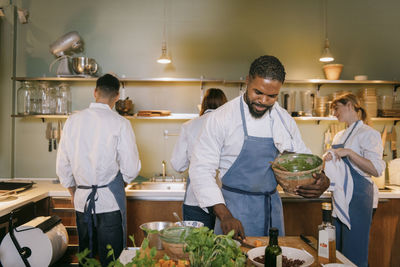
(63, 208)
(143, 211)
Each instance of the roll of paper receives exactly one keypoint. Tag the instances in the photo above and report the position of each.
(46, 248)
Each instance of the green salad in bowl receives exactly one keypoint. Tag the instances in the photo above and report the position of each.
(294, 169)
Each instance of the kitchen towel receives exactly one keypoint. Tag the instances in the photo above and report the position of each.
(342, 187)
(283, 132)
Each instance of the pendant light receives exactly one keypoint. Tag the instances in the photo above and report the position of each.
(326, 53)
(164, 58)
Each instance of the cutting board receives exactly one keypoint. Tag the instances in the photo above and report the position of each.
(153, 113)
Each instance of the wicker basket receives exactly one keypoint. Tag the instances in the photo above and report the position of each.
(289, 180)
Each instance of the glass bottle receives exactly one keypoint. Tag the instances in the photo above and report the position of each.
(273, 252)
(44, 90)
(326, 237)
(24, 98)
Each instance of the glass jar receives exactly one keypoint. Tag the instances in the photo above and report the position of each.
(36, 100)
(52, 91)
(63, 99)
(24, 98)
(45, 97)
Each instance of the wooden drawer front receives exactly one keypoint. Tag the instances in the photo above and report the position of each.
(61, 202)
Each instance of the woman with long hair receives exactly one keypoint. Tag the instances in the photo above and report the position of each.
(181, 155)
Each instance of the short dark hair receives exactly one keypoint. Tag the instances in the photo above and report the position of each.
(213, 98)
(108, 85)
(267, 67)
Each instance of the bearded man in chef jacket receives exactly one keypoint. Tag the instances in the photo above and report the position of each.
(240, 139)
(97, 155)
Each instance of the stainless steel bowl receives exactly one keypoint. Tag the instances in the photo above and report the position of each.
(84, 65)
(154, 239)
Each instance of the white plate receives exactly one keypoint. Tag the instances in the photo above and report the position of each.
(290, 253)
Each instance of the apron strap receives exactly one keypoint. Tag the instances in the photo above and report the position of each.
(243, 118)
(90, 208)
(351, 132)
(267, 204)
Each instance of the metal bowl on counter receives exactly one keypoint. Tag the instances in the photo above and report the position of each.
(154, 239)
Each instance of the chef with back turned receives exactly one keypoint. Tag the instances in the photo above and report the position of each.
(97, 155)
(240, 139)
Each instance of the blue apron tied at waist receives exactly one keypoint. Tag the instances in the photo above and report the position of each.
(90, 208)
(267, 204)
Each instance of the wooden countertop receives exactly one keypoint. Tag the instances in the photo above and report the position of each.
(285, 241)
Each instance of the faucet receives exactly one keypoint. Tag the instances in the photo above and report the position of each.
(164, 164)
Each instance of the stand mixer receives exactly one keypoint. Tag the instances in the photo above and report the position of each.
(62, 48)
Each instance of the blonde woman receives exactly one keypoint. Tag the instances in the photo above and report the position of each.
(360, 148)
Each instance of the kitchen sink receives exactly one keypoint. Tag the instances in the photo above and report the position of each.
(159, 186)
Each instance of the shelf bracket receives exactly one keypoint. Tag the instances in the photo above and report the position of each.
(319, 86)
(43, 120)
(395, 122)
(395, 87)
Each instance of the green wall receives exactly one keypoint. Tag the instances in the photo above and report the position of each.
(215, 39)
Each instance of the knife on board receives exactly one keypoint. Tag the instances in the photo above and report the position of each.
(393, 142)
(308, 242)
(49, 130)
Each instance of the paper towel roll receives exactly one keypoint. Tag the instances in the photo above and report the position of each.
(46, 247)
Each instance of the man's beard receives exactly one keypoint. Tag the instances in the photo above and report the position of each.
(255, 113)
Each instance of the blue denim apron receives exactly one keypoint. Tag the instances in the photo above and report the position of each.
(117, 187)
(354, 243)
(249, 186)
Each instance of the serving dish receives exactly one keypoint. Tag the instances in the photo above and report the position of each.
(290, 253)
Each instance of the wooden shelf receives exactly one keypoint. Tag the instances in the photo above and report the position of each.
(189, 116)
(173, 116)
(196, 80)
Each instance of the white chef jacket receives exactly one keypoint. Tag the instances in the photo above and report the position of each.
(182, 153)
(221, 140)
(366, 142)
(96, 143)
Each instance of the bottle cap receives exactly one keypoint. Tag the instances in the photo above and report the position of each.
(326, 206)
(273, 231)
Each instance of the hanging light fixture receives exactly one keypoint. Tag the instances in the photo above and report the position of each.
(164, 58)
(326, 53)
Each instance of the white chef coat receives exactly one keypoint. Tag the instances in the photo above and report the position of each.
(366, 142)
(182, 153)
(221, 140)
(96, 143)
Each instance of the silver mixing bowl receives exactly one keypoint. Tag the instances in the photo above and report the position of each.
(154, 239)
(84, 65)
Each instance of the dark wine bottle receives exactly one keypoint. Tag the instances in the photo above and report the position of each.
(273, 252)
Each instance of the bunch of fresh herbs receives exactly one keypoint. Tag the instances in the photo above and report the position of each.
(207, 249)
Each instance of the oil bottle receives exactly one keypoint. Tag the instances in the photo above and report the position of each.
(273, 252)
(326, 237)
